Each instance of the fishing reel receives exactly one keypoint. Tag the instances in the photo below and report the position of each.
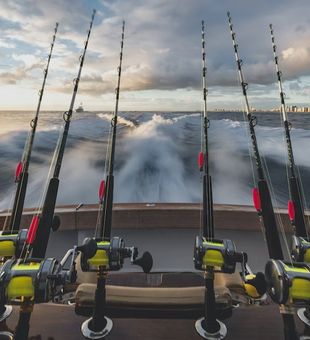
(35, 279)
(221, 255)
(11, 245)
(288, 283)
(110, 255)
(300, 249)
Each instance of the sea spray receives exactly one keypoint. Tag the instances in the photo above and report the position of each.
(173, 138)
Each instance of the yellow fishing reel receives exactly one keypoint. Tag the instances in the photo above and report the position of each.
(300, 249)
(221, 255)
(11, 244)
(33, 279)
(110, 255)
(288, 283)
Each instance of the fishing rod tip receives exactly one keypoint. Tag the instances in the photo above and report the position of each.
(228, 14)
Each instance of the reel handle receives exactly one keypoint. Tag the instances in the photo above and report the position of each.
(89, 248)
(145, 262)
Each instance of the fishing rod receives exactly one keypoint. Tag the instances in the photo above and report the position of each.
(276, 269)
(295, 204)
(300, 245)
(261, 195)
(212, 255)
(47, 218)
(102, 253)
(11, 240)
(32, 278)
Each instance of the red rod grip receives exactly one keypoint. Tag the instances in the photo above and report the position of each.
(101, 190)
(291, 210)
(256, 199)
(18, 171)
(200, 160)
(32, 231)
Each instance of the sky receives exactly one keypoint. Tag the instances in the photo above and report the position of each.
(162, 53)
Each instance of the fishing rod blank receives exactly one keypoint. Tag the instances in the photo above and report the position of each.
(262, 198)
(295, 205)
(11, 240)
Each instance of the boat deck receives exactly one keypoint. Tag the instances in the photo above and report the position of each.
(58, 322)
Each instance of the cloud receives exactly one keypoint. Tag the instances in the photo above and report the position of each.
(162, 48)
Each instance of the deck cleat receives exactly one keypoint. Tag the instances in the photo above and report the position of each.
(221, 255)
(300, 249)
(289, 284)
(11, 244)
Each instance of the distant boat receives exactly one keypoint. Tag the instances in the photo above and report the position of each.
(80, 108)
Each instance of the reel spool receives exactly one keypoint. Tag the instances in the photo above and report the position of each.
(38, 280)
(300, 249)
(221, 255)
(110, 255)
(12, 244)
(287, 283)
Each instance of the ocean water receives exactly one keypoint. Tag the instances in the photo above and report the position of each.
(156, 156)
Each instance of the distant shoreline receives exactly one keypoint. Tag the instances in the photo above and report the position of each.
(162, 111)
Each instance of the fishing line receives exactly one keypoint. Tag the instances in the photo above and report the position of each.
(7, 212)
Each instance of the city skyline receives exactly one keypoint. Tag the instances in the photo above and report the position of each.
(162, 53)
